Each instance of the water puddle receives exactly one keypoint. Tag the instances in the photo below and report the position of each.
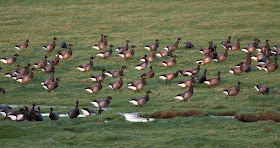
(227, 117)
(134, 117)
(61, 115)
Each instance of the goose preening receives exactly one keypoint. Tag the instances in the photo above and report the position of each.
(94, 88)
(99, 103)
(51, 85)
(22, 45)
(98, 77)
(149, 58)
(53, 115)
(214, 81)
(163, 53)
(106, 53)
(39, 116)
(115, 73)
(74, 113)
(63, 45)
(186, 95)
(27, 78)
(169, 63)
(50, 47)
(141, 100)
(149, 74)
(252, 46)
(49, 80)
(234, 47)
(226, 42)
(188, 45)
(232, 91)
(201, 79)
(122, 49)
(137, 84)
(9, 60)
(65, 54)
(54, 61)
(127, 54)
(152, 47)
(222, 57)
(263, 89)
(142, 65)
(207, 50)
(187, 82)
(31, 114)
(102, 43)
(173, 47)
(41, 64)
(189, 72)
(86, 67)
(87, 112)
(2, 90)
(117, 84)
(169, 76)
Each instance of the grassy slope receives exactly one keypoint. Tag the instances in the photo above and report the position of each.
(82, 22)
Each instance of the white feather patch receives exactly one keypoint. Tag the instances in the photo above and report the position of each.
(162, 77)
(245, 50)
(231, 71)
(81, 69)
(93, 79)
(182, 85)
(132, 87)
(108, 74)
(133, 102)
(207, 82)
(225, 92)
(96, 47)
(89, 90)
(121, 55)
(254, 58)
(257, 88)
(95, 104)
(158, 54)
(165, 48)
(187, 73)
(85, 112)
(17, 48)
(142, 59)
(4, 61)
(148, 48)
(164, 64)
(138, 67)
(179, 97)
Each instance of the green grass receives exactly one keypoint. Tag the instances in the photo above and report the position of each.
(81, 23)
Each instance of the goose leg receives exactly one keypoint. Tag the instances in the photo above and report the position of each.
(99, 112)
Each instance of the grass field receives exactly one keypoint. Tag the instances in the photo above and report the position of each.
(81, 24)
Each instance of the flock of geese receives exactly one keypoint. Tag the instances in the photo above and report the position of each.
(263, 57)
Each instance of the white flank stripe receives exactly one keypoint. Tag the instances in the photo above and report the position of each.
(225, 92)
(132, 87)
(89, 90)
(13, 117)
(162, 77)
(165, 48)
(110, 86)
(17, 48)
(44, 86)
(4, 61)
(93, 79)
(100, 55)
(179, 97)
(148, 48)
(133, 102)
(143, 60)
(245, 50)
(96, 47)
(164, 64)
(216, 60)
(201, 52)
(95, 104)
(108, 74)
(85, 112)
(81, 69)
(158, 54)
(231, 71)
(187, 73)
(121, 55)
(60, 56)
(138, 67)
(207, 82)
(182, 85)
(257, 88)
(255, 58)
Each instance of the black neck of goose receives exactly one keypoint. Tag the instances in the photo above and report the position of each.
(226, 52)
(101, 40)
(248, 61)
(32, 74)
(121, 79)
(191, 88)
(256, 43)
(91, 61)
(132, 51)
(174, 59)
(15, 58)
(147, 96)
(229, 38)
(176, 44)
(157, 43)
(176, 74)
(70, 50)
(45, 61)
(238, 88)
(126, 45)
(53, 42)
(219, 76)
(143, 80)
(193, 80)
(105, 41)
(204, 74)
(52, 77)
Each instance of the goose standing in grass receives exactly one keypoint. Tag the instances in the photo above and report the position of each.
(149, 58)
(63, 45)
(276, 49)
(186, 95)
(53, 115)
(48, 68)
(226, 42)
(237, 70)
(101, 103)
(102, 44)
(264, 47)
(115, 73)
(263, 89)
(189, 72)
(41, 64)
(232, 91)
(137, 84)
(142, 65)
(86, 67)
(122, 49)
(51, 85)
(202, 79)
(74, 113)
(252, 46)
(169, 63)
(94, 88)
(27, 78)
(207, 50)
(169, 76)
(207, 59)
(13, 73)
(49, 80)
(54, 61)
(164, 53)
(39, 116)
(3, 109)
(234, 47)
(66, 54)
(9, 60)
(188, 45)
(20, 116)
(128, 54)
(22, 45)
(149, 74)
(87, 112)
(214, 81)
(98, 77)
(2, 90)
(222, 57)
(106, 53)
(271, 67)
(117, 84)
(50, 47)
(187, 82)
(173, 47)
(141, 100)
(31, 114)
(22, 72)
(153, 47)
